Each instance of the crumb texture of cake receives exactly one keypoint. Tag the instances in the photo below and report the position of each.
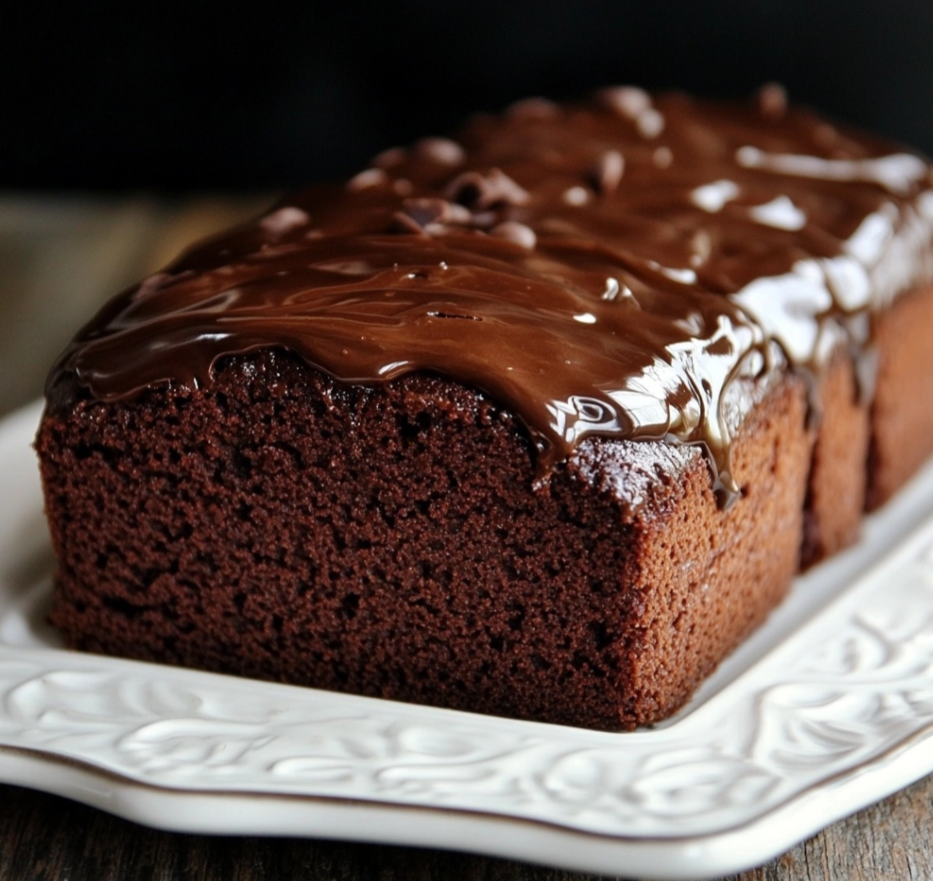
(384, 541)
(538, 422)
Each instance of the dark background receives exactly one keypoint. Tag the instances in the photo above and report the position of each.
(175, 96)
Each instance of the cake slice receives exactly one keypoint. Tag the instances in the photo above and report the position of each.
(540, 422)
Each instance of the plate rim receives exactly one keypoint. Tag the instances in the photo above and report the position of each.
(712, 851)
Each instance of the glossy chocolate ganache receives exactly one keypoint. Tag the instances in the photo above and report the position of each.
(604, 268)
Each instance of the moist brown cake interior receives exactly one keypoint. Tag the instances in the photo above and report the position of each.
(384, 541)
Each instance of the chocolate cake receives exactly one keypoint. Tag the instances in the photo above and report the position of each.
(538, 422)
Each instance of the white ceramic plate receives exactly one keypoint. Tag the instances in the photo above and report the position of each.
(827, 708)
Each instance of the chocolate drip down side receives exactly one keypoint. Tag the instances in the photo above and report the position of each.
(609, 268)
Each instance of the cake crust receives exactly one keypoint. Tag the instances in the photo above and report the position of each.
(902, 404)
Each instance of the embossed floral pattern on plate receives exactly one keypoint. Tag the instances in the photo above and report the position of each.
(827, 708)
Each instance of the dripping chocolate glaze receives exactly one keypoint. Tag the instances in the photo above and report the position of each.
(607, 268)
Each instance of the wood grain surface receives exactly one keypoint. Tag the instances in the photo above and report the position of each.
(46, 838)
(59, 259)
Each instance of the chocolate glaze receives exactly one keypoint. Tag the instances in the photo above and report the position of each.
(607, 268)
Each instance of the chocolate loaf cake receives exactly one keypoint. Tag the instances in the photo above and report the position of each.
(539, 422)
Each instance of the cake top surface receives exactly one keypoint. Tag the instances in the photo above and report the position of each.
(609, 267)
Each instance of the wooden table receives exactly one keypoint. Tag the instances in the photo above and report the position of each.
(58, 259)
